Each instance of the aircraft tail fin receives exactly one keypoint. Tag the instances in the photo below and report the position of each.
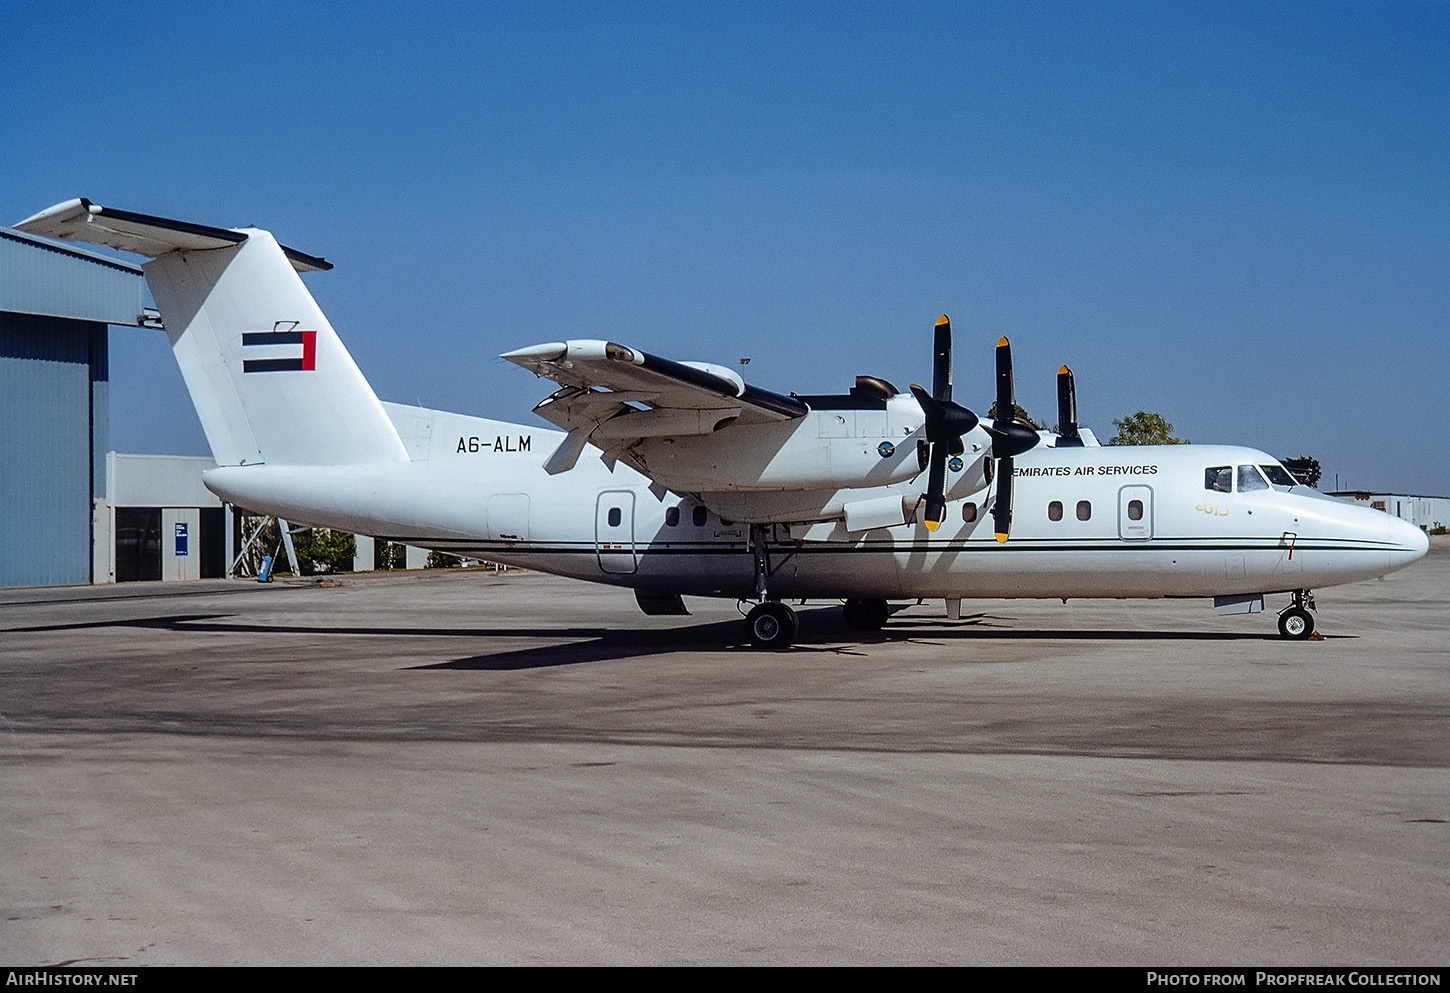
(271, 380)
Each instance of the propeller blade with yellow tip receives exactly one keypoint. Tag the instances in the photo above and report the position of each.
(1011, 436)
(945, 423)
(1068, 436)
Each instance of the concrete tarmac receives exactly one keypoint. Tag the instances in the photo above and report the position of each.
(462, 768)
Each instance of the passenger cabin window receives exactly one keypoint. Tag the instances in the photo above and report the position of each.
(614, 517)
(1135, 510)
(1250, 479)
(1084, 510)
(1054, 510)
(700, 516)
(672, 517)
(1220, 478)
(969, 512)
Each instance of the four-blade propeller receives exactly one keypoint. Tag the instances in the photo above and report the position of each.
(947, 422)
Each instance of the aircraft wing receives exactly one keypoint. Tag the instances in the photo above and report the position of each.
(613, 395)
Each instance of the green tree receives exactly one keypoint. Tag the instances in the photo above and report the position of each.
(1018, 411)
(442, 560)
(1305, 469)
(319, 550)
(322, 550)
(1144, 428)
(388, 555)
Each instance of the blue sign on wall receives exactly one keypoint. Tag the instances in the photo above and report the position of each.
(181, 539)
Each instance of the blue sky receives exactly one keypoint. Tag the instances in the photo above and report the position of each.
(1237, 215)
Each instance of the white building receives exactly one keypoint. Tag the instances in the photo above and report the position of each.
(158, 521)
(1426, 512)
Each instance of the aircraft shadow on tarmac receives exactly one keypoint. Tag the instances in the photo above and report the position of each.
(820, 631)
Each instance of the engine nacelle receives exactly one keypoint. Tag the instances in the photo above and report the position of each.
(839, 447)
(862, 508)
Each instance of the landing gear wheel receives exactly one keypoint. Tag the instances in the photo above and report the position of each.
(1296, 623)
(771, 625)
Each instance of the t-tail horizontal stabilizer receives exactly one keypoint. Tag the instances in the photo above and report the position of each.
(270, 378)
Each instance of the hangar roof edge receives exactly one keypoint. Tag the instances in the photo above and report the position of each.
(51, 244)
(45, 278)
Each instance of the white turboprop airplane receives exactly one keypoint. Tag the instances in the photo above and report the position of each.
(678, 478)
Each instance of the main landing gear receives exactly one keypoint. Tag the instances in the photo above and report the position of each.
(1295, 621)
(771, 625)
(865, 614)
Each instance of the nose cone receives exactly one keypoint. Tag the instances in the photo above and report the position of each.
(1409, 543)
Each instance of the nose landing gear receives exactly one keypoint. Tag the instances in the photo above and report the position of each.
(1295, 621)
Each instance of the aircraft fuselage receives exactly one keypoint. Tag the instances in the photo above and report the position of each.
(1088, 522)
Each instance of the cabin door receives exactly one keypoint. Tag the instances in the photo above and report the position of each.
(614, 532)
(1135, 513)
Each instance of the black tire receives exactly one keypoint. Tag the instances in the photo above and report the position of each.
(864, 614)
(1296, 624)
(874, 614)
(771, 625)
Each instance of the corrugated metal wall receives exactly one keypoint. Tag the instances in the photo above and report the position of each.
(53, 376)
(37, 277)
(55, 303)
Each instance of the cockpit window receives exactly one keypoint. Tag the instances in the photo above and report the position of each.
(1220, 477)
(1278, 475)
(1250, 479)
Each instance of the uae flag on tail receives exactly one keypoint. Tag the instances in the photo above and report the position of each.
(279, 351)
